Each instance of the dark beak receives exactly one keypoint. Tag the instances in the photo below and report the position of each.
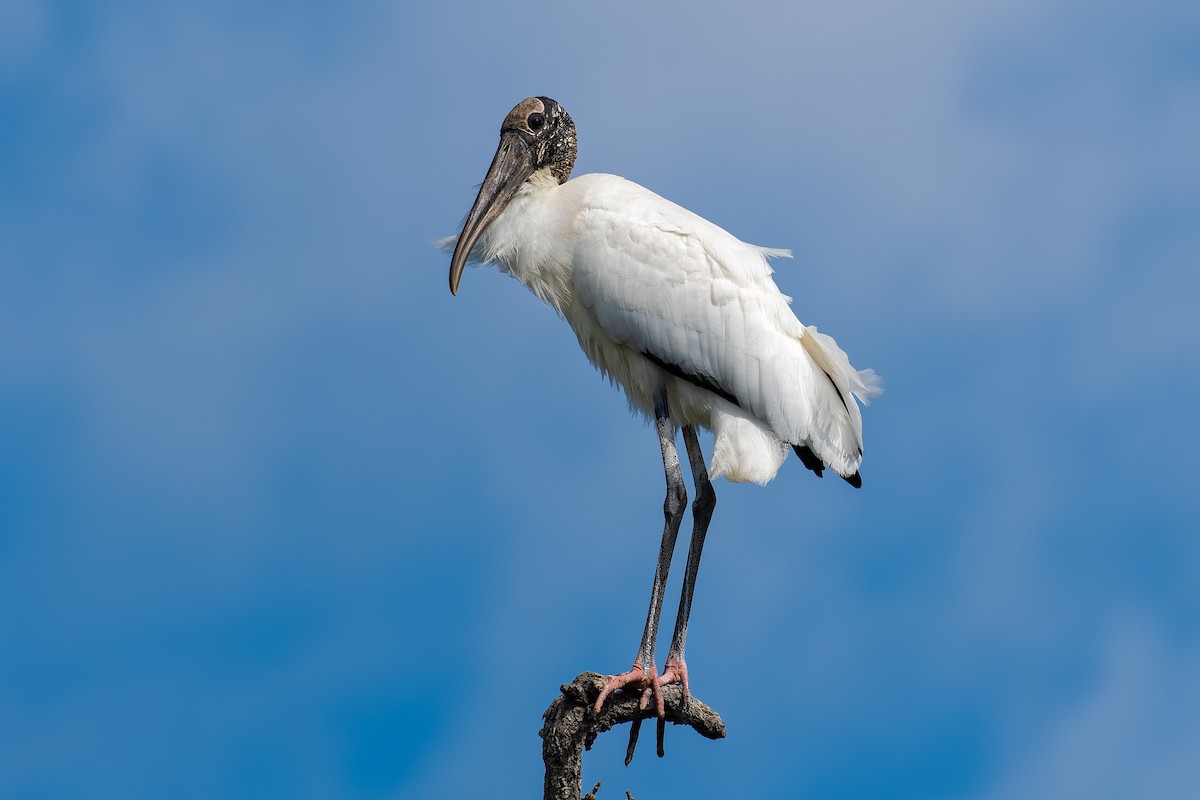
(510, 168)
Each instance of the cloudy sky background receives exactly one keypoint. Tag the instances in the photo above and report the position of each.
(281, 518)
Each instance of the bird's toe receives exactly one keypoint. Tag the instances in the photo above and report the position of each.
(636, 679)
(675, 672)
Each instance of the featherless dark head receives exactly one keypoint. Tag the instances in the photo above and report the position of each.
(548, 130)
(537, 134)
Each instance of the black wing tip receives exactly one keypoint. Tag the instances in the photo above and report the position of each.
(809, 459)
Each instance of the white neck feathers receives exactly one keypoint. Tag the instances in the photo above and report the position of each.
(530, 240)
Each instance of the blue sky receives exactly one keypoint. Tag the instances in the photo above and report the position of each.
(280, 517)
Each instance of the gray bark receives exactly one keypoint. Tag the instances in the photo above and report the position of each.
(571, 726)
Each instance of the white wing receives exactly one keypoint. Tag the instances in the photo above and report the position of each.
(668, 283)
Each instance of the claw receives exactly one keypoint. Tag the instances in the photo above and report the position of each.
(654, 690)
(650, 684)
(635, 727)
(635, 678)
(675, 671)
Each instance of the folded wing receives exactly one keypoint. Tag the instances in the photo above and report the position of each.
(692, 297)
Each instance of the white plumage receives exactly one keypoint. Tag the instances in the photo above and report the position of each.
(681, 315)
(635, 274)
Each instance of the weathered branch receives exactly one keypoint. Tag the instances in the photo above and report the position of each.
(571, 727)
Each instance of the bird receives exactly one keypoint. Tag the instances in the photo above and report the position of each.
(686, 319)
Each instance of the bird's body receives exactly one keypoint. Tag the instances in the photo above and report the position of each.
(685, 318)
(655, 292)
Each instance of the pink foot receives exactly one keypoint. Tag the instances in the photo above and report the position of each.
(675, 671)
(636, 679)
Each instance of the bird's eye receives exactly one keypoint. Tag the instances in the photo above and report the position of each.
(536, 121)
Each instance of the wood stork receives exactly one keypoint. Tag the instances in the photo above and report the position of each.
(685, 317)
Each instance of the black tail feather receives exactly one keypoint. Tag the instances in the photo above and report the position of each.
(809, 459)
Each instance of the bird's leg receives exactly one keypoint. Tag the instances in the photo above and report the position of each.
(675, 670)
(644, 674)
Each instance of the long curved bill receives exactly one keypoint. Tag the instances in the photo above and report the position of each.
(512, 165)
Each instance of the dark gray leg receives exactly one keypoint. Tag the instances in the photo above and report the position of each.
(644, 674)
(675, 670)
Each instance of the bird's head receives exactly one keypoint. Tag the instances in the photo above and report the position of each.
(537, 134)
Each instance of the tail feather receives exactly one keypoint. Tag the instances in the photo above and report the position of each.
(809, 459)
(835, 438)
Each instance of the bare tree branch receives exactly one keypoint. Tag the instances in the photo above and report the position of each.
(571, 727)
